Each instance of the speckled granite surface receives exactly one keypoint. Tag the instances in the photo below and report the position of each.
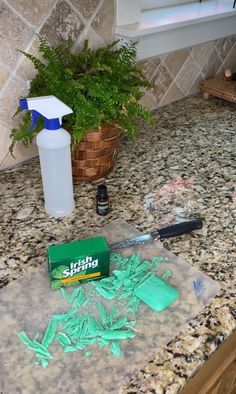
(182, 166)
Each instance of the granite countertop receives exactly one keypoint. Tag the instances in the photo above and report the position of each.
(180, 167)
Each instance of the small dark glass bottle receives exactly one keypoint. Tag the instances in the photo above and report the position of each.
(102, 200)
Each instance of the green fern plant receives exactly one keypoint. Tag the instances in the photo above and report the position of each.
(101, 85)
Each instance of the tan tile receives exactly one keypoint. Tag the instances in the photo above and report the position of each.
(149, 66)
(4, 143)
(62, 23)
(21, 153)
(194, 89)
(85, 7)
(15, 34)
(174, 94)
(212, 66)
(148, 101)
(175, 60)
(33, 12)
(160, 82)
(187, 75)
(202, 52)
(9, 102)
(224, 45)
(4, 74)
(104, 21)
(93, 39)
(230, 61)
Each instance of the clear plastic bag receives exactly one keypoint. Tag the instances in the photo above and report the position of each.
(28, 303)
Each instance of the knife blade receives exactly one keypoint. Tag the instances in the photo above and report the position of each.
(165, 232)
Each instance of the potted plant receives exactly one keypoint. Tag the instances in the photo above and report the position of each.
(103, 87)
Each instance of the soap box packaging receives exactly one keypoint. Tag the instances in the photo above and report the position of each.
(78, 261)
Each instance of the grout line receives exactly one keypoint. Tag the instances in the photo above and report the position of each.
(27, 47)
(229, 54)
(20, 16)
(203, 65)
(87, 23)
(5, 125)
(187, 92)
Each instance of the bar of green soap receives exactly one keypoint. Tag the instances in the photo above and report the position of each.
(156, 293)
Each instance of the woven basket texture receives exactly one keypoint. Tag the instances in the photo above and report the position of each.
(94, 156)
(221, 88)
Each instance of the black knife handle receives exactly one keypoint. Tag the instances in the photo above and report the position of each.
(180, 228)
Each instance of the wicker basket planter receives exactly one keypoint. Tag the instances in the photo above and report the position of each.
(219, 87)
(94, 156)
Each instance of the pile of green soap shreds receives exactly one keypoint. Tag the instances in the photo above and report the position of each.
(75, 331)
(122, 283)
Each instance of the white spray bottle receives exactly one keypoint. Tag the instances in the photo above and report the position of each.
(54, 153)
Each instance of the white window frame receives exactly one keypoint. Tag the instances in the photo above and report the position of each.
(158, 40)
(150, 4)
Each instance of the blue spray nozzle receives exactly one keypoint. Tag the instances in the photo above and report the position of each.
(23, 104)
(50, 107)
(35, 114)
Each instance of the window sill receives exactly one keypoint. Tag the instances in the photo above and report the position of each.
(168, 29)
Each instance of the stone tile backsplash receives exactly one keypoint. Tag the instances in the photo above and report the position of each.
(173, 75)
(178, 74)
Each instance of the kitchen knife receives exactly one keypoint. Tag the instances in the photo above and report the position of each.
(166, 232)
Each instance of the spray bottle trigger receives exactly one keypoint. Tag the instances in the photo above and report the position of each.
(35, 116)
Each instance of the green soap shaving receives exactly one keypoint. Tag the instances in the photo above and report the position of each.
(120, 323)
(115, 334)
(63, 339)
(81, 299)
(104, 293)
(36, 336)
(93, 327)
(83, 329)
(41, 350)
(133, 304)
(103, 342)
(167, 274)
(64, 293)
(88, 354)
(25, 339)
(130, 324)
(50, 333)
(74, 294)
(34, 345)
(130, 281)
(60, 318)
(68, 349)
(116, 258)
(102, 313)
(157, 260)
(124, 281)
(115, 349)
(44, 363)
(156, 293)
(112, 314)
(126, 294)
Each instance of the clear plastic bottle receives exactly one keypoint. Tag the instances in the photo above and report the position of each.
(54, 152)
(55, 163)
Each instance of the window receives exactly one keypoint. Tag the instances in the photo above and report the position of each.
(159, 29)
(150, 4)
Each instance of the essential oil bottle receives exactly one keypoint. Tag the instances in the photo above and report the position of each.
(102, 200)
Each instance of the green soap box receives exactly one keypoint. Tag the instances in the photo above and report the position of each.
(78, 261)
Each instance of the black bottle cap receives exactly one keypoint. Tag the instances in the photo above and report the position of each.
(102, 191)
